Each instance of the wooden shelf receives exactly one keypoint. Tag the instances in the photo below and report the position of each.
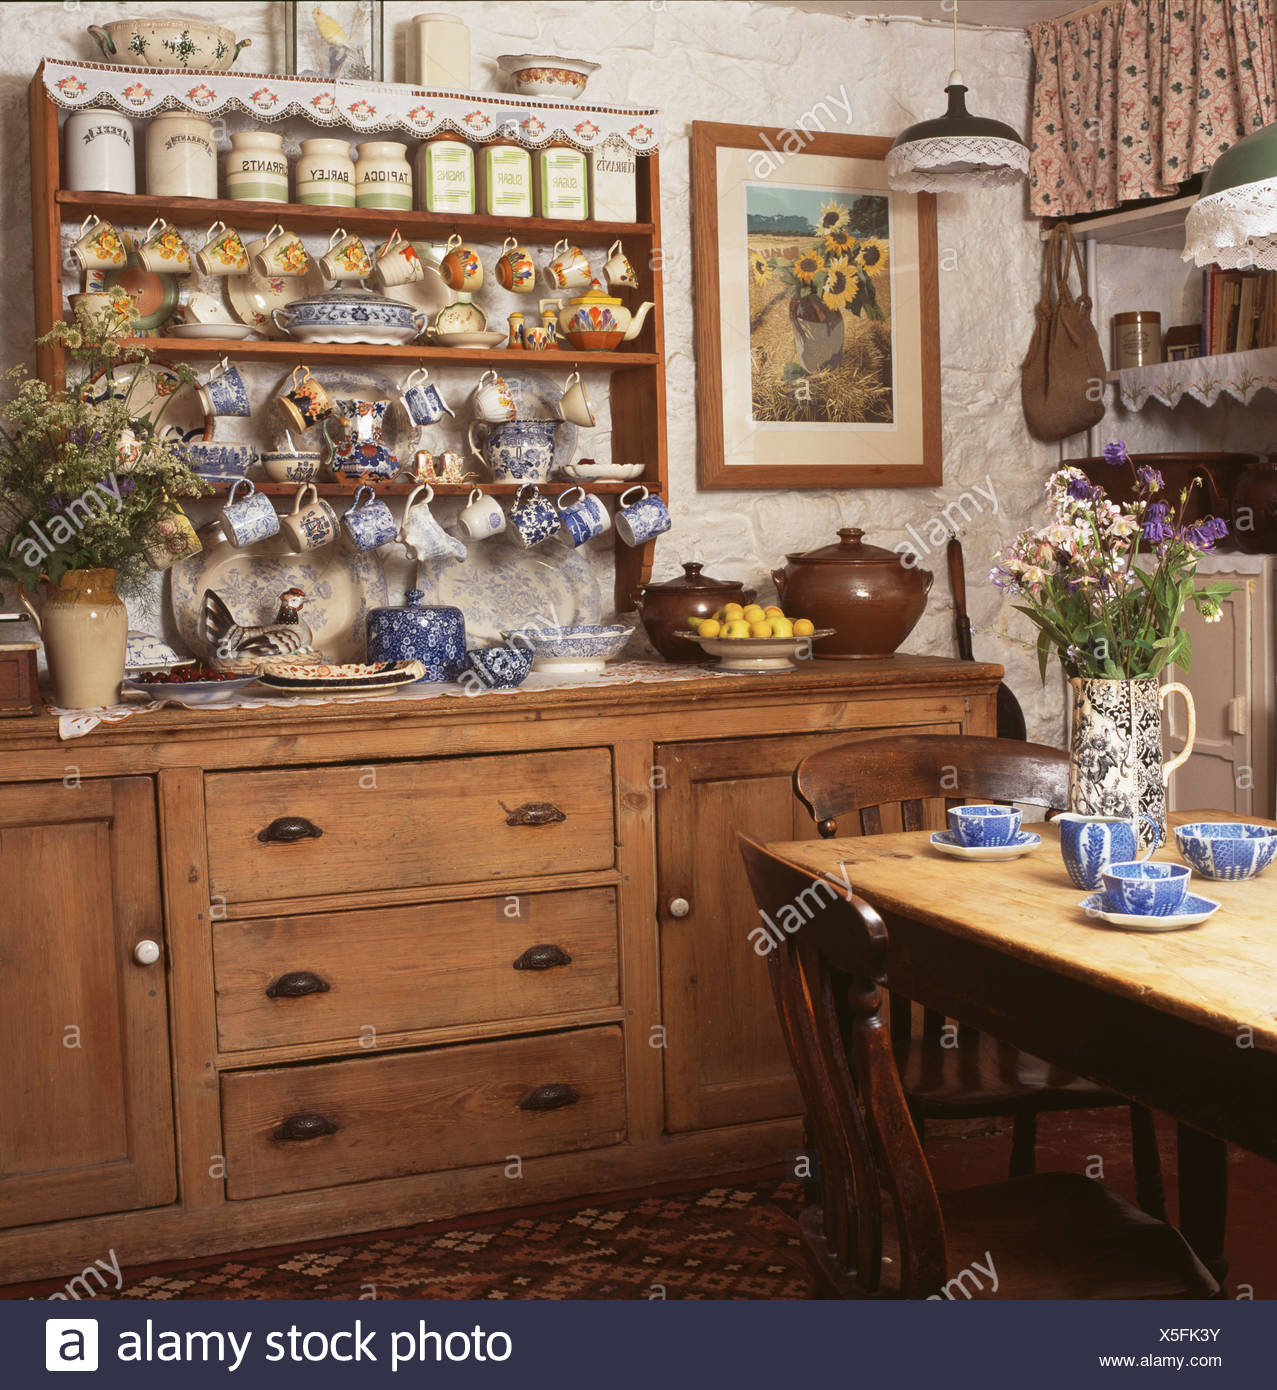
(416, 226)
(345, 489)
(290, 350)
(1159, 224)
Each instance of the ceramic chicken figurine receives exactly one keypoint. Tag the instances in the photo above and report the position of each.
(288, 635)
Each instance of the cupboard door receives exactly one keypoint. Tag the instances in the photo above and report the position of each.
(725, 1059)
(85, 1089)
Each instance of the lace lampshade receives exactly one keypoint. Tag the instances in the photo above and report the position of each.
(1234, 222)
(956, 151)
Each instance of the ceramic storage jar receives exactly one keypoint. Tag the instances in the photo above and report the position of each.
(383, 176)
(326, 173)
(257, 167)
(181, 156)
(445, 174)
(99, 152)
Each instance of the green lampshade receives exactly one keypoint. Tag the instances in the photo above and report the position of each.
(1233, 223)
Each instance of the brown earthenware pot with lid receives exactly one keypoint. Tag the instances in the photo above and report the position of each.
(667, 608)
(868, 595)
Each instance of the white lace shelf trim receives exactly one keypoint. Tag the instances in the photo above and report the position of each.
(926, 166)
(361, 106)
(1235, 228)
(1238, 374)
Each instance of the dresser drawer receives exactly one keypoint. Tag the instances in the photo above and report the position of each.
(331, 977)
(405, 825)
(294, 1128)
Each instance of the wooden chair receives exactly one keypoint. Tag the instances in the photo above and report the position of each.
(879, 1229)
(980, 1076)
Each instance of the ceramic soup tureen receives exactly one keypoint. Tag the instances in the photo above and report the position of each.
(168, 43)
(350, 316)
(597, 321)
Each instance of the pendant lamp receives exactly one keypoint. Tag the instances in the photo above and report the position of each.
(956, 151)
(1233, 223)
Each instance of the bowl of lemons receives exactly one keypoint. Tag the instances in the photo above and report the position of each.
(753, 638)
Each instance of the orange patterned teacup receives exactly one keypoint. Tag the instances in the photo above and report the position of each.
(99, 246)
(164, 252)
(223, 252)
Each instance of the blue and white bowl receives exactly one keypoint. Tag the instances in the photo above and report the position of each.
(982, 826)
(1146, 889)
(350, 316)
(583, 650)
(1230, 850)
(217, 462)
(501, 668)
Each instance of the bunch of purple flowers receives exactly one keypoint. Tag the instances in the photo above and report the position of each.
(1106, 584)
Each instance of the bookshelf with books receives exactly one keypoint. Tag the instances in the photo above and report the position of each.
(1239, 310)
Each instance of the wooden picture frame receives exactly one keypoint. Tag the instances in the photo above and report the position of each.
(766, 424)
(351, 50)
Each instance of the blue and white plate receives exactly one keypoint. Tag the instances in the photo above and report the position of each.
(1193, 911)
(190, 694)
(1023, 842)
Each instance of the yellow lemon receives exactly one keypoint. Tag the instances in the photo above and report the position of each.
(771, 611)
(753, 614)
(709, 628)
(781, 627)
(804, 627)
(763, 629)
(738, 628)
(732, 612)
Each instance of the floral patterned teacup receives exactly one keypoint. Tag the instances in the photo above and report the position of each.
(303, 402)
(397, 262)
(99, 246)
(169, 537)
(461, 267)
(421, 535)
(492, 400)
(347, 257)
(515, 269)
(115, 309)
(252, 520)
(283, 254)
(164, 251)
(311, 523)
(568, 268)
(223, 252)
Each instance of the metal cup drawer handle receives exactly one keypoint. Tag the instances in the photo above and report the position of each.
(297, 1128)
(283, 830)
(296, 983)
(551, 1097)
(544, 957)
(533, 813)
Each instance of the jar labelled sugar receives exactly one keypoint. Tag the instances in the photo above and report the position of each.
(445, 174)
(562, 188)
(383, 176)
(505, 180)
(325, 174)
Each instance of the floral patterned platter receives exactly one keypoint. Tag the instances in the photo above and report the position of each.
(501, 587)
(254, 296)
(156, 386)
(156, 294)
(348, 677)
(190, 694)
(340, 588)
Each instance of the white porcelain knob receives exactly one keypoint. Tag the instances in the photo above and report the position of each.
(146, 952)
(680, 907)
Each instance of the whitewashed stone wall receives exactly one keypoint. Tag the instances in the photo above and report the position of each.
(744, 63)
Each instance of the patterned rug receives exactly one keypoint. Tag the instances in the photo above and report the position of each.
(736, 1241)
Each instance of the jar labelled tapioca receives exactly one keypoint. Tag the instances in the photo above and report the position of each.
(383, 176)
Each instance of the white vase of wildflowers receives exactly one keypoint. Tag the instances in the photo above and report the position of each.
(1106, 586)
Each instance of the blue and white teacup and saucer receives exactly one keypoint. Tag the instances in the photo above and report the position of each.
(1144, 896)
(985, 832)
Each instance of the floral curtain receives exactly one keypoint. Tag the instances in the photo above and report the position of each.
(1133, 98)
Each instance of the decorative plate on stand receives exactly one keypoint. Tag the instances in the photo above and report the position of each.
(158, 390)
(253, 296)
(156, 294)
(340, 588)
(499, 587)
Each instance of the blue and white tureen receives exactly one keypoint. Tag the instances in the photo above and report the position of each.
(350, 316)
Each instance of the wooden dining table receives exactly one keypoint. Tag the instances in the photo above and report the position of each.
(1182, 1021)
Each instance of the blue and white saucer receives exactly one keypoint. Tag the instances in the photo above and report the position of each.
(1192, 911)
(1021, 843)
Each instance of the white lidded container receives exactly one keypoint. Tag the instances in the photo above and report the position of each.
(445, 174)
(614, 181)
(325, 173)
(257, 167)
(383, 176)
(439, 52)
(181, 156)
(505, 180)
(98, 152)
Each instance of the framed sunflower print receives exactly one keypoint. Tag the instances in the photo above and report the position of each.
(817, 313)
